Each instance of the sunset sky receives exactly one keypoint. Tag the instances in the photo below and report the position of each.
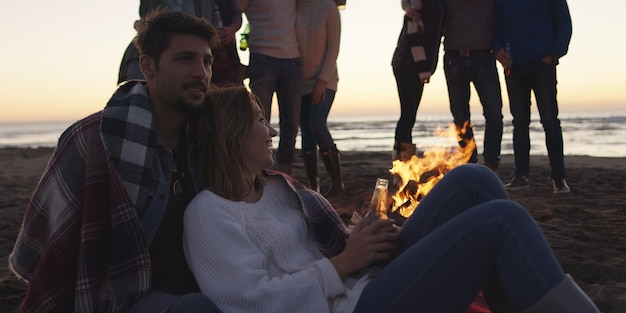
(59, 59)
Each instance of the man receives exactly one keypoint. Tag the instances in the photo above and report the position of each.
(275, 67)
(225, 15)
(103, 230)
(537, 33)
(469, 59)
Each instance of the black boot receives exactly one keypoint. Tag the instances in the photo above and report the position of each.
(332, 161)
(309, 158)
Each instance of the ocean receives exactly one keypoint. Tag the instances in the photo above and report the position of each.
(599, 134)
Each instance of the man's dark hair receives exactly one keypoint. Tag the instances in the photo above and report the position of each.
(153, 36)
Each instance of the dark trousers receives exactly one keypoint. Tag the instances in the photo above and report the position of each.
(540, 78)
(410, 90)
(481, 71)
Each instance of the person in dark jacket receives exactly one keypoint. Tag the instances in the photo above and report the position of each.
(530, 37)
(414, 61)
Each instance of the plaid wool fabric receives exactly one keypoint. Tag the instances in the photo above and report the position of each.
(81, 246)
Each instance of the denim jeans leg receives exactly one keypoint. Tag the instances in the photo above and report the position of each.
(487, 85)
(545, 93)
(410, 90)
(519, 87)
(461, 188)
(458, 79)
(496, 238)
(306, 133)
(263, 80)
(459, 72)
(288, 96)
(318, 120)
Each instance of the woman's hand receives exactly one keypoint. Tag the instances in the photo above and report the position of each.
(319, 92)
(376, 242)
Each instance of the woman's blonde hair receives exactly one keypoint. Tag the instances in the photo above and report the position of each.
(222, 131)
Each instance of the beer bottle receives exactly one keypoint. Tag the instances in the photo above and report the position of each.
(243, 42)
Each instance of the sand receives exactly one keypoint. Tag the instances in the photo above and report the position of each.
(586, 228)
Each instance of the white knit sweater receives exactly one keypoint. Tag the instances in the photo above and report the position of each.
(259, 257)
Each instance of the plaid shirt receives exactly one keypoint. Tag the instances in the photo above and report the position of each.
(82, 247)
(327, 228)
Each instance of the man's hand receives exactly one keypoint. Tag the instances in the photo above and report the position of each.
(504, 58)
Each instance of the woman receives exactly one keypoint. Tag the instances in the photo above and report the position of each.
(414, 61)
(259, 241)
(319, 29)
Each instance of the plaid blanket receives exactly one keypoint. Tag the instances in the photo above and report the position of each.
(81, 247)
(328, 230)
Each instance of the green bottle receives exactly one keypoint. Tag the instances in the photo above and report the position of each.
(243, 42)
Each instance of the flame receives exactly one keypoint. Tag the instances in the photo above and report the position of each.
(419, 174)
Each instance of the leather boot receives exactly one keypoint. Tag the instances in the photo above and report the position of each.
(332, 162)
(403, 151)
(565, 297)
(309, 158)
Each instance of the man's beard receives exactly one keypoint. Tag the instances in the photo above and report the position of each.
(188, 108)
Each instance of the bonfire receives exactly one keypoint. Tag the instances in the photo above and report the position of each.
(414, 178)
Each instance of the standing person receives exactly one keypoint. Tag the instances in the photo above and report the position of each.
(319, 31)
(103, 230)
(414, 61)
(536, 39)
(275, 67)
(259, 241)
(469, 58)
(225, 15)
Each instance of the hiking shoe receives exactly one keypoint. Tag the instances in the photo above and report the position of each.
(518, 182)
(560, 186)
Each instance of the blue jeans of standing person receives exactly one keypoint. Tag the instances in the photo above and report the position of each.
(479, 69)
(313, 127)
(465, 236)
(410, 89)
(284, 77)
(540, 78)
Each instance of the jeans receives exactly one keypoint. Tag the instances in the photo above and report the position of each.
(540, 78)
(465, 236)
(313, 127)
(481, 71)
(284, 77)
(410, 89)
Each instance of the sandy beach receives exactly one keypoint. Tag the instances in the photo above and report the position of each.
(586, 228)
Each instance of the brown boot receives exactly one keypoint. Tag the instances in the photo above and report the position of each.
(309, 158)
(332, 162)
(403, 151)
